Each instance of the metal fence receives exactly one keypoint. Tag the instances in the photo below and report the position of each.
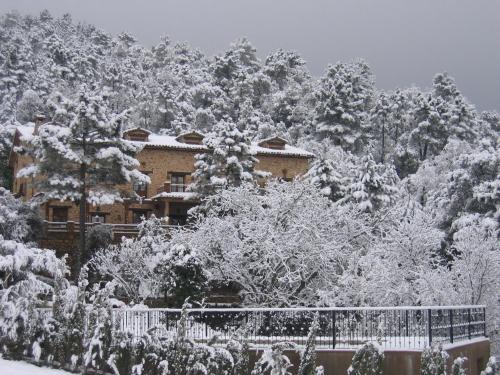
(396, 327)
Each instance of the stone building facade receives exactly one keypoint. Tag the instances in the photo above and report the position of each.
(169, 162)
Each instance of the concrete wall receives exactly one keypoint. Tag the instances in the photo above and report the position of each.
(396, 362)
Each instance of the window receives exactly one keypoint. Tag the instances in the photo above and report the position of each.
(97, 217)
(177, 183)
(60, 214)
(140, 188)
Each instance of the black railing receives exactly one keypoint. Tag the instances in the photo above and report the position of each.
(398, 327)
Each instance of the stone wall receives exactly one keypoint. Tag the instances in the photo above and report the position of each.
(396, 362)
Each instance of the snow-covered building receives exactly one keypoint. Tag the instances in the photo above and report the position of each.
(169, 163)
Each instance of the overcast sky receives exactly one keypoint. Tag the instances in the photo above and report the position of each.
(405, 42)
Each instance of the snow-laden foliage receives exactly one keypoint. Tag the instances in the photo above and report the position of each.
(458, 367)
(433, 361)
(25, 273)
(273, 361)
(492, 367)
(373, 185)
(343, 98)
(151, 266)
(280, 245)
(18, 221)
(368, 360)
(229, 161)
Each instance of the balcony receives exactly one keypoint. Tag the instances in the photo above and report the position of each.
(73, 228)
(169, 187)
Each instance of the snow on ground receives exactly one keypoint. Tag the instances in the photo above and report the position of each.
(23, 368)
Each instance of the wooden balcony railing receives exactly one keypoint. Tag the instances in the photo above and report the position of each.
(73, 227)
(172, 188)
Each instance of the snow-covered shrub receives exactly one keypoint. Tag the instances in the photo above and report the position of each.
(97, 344)
(433, 361)
(458, 366)
(152, 266)
(239, 350)
(492, 367)
(23, 291)
(18, 221)
(273, 361)
(368, 360)
(121, 358)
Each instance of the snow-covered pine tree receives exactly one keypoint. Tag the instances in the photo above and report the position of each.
(430, 133)
(229, 161)
(458, 366)
(81, 156)
(373, 186)
(308, 356)
(7, 131)
(380, 118)
(433, 361)
(343, 98)
(325, 176)
(368, 360)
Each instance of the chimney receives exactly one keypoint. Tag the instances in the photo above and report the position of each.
(39, 120)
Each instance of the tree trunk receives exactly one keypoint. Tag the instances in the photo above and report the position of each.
(382, 156)
(83, 215)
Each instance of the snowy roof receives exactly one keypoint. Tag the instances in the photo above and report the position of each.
(136, 129)
(287, 151)
(168, 141)
(274, 138)
(176, 195)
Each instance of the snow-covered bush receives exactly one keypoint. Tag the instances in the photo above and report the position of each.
(458, 366)
(368, 360)
(433, 361)
(23, 291)
(97, 343)
(492, 367)
(18, 221)
(273, 361)
(152, 266)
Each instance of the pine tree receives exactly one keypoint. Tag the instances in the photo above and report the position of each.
(228, 162)
(430, 134)
(308, 356)
(380, 117)
(433, 361)
(368, 360)
(343, 98)
(373, 186)
(81, 156)
(325, 176)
